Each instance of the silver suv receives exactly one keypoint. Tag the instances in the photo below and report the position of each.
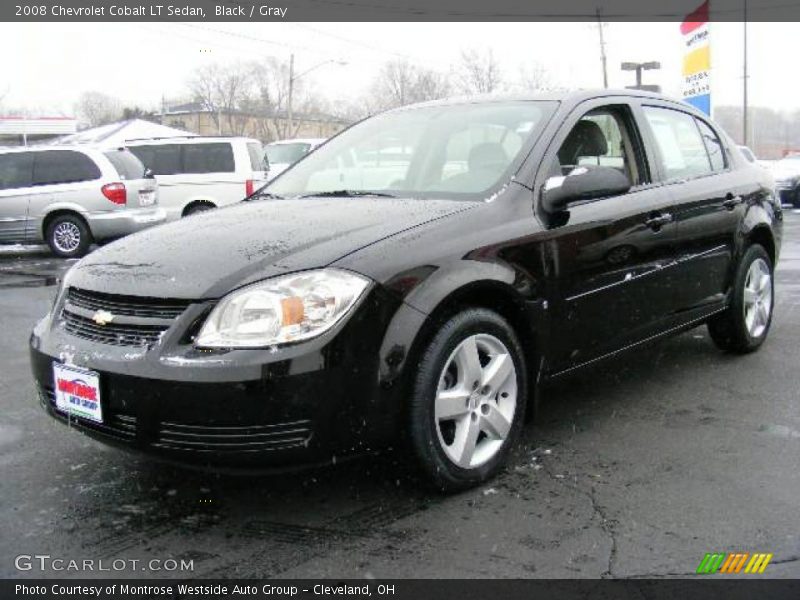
(70, 196)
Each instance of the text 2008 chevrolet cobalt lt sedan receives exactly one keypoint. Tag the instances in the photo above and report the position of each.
(415, 280)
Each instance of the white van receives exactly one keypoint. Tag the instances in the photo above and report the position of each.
(201, 173)
(284, 153)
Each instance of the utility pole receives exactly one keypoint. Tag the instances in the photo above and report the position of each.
(289, 98)
(600, 26)
(745, 125)
(293, 78)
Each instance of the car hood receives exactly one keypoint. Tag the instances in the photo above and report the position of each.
(785, 171)
(208, 254)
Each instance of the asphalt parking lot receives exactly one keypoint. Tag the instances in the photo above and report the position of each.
(634, 469)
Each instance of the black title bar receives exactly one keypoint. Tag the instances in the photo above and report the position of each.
(390, 10)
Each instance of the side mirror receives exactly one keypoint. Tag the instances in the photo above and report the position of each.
(148, 174)
(583, 183)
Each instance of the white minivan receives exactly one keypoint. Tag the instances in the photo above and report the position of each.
(201, 173)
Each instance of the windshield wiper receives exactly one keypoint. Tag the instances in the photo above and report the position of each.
(345, 193)
(260, 195)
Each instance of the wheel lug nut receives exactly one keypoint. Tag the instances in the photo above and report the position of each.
(485, 409)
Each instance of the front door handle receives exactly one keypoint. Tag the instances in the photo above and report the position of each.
(731, 201)
(658, 220)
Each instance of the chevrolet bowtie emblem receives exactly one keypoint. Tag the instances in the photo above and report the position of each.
(102, 317)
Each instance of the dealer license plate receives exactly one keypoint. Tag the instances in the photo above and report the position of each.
(77, 392)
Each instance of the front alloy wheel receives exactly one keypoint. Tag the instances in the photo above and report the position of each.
(476, 401)
(468, 400)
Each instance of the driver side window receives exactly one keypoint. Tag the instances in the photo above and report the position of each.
(600, 138)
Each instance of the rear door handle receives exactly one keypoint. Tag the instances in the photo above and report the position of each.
(731, 201)
(658, 220)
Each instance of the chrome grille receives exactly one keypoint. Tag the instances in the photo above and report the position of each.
(129, 306)
(117, 335)
(137, 321)
(229, 438)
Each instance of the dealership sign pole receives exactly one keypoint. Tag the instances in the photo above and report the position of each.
(697, 59)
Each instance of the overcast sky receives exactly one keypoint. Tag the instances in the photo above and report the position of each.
(53, 63)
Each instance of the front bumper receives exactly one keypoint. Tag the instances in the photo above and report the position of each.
(118, 223)
(243, 409)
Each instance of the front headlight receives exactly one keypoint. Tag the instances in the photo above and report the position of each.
(280, 310)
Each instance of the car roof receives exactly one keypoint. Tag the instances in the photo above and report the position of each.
(566, 97)
(45, 147)
(298, 141)
(189, 139)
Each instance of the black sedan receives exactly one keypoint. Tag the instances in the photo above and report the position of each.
(415, 281)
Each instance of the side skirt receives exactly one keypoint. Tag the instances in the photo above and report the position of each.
(648, 340)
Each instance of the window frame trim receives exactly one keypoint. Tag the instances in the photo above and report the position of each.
(656, 149)
(638, 137)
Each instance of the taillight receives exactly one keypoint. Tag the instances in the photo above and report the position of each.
(249, 187)
(115, 192)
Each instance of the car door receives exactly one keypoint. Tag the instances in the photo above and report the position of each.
(609, 257)
(709, 205)
(16, 169)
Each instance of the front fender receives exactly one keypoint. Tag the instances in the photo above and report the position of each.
(429, 289)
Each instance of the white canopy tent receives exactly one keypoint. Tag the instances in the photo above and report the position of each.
(120, 133)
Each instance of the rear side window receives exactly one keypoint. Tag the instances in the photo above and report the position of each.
(126, 164)
(63, 166)
(208, 158)
(683, 152)
(162, 159)
(747, 154)
(256, 153)
(16, 170)
(716, 152)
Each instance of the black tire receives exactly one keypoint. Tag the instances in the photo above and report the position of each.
(729, 329)
(425, 434)
(198, 208)
(81, 236)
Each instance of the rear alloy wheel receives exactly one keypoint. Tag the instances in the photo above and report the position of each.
(743, 327)
(469, 400)
(68, 236)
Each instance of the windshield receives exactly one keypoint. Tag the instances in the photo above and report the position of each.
(458, 151)
(286, 153)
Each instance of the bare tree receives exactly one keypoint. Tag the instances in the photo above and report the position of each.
(400, 83)
(251, 97)
(479, 72)
(222, 90)
(96, 108)
(533, 76)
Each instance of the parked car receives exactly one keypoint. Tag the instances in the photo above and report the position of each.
(201, 173)
(284, 153)
(307, 323)
(787, 179)
(70, 197)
